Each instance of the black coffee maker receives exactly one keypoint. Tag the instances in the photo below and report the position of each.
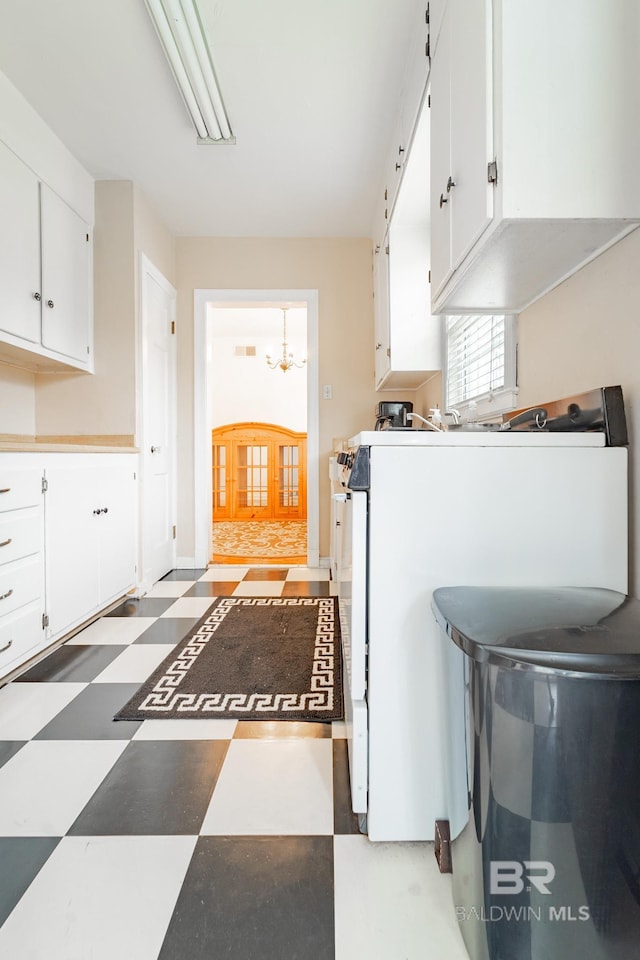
(392, 414)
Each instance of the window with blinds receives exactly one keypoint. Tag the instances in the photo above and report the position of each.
(480, 361)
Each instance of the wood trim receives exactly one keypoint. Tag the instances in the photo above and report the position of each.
(90, 440)
(27, 443)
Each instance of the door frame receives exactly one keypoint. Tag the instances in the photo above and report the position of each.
(147, 269)
(201, 431)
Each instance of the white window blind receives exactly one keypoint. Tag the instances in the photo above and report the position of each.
(476, 364)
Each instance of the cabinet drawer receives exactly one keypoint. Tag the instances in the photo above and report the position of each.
(20, 582)
(20, 488)
(20, 534)
(20, 633)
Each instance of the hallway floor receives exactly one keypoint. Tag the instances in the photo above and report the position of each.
(196, 839)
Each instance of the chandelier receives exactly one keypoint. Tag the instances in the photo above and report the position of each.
(287, 359)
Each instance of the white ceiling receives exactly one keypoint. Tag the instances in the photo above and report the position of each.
(310, 86)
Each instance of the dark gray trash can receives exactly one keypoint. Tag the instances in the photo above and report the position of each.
(544, 693)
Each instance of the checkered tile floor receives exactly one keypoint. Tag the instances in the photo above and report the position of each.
(191, 838)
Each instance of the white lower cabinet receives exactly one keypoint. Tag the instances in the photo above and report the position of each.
(68, 541)
(90, 535)
(22, 597)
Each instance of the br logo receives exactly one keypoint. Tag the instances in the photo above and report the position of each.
(512, 876)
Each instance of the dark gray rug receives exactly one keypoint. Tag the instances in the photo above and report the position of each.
(250, 658)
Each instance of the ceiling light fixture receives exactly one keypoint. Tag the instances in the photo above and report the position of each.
(180, 29)
(287, 359)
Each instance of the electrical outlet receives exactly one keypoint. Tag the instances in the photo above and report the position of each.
(327, 392)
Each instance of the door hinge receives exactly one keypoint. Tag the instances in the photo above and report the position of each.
(174, 531)
(45, 484)
(429, 101)
(427, 14)
(87, 236)
(173, 326)
(429, 276)
(45, 620)
(427, 48)
(492, 172)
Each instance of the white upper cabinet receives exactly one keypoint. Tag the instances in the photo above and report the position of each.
(534, 149)
(47, 203)
(407, 335)
(66, 262)
(19, 249)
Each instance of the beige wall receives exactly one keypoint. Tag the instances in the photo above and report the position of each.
(586, 334)
(17, 400)
(341, 270)
(429, 395)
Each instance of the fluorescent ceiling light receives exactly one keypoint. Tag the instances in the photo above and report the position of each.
(180, 30)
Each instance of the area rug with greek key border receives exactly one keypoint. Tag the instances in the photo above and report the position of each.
(250, 658)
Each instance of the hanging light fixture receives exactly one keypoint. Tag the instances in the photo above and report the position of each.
(287, 359)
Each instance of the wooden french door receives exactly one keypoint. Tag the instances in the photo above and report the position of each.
(259, 472)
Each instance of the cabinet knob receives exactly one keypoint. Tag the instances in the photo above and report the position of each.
(5, 543)
(6, 646)
(443, 200)
(105, 509)
(450, 183)
(37, 296)
(5, 596)
(155, 449)
(378, 345)
(50, 304)
(96, 512)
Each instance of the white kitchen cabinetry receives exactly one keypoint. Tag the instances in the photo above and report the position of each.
(67, 544)
(45, 289)
(407, 335)
(532, 149)
(66, 288)
(90, 534)
(19, 250)
(381, 318)
(22, 594)
(414, 80)
(47, 204)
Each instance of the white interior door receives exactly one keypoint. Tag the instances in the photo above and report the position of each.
(158, 425)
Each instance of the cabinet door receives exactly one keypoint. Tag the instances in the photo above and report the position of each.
(71, 545)
(381, 311)
(440, 153)
(19, 248)
(66, 308)
(470, 53)
(117, 531)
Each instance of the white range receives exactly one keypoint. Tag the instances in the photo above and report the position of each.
(427, 510)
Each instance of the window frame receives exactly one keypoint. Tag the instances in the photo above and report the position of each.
(491, 403)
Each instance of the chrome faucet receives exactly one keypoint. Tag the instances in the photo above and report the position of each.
(453, 413)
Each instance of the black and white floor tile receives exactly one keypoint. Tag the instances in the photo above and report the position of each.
(191, 838)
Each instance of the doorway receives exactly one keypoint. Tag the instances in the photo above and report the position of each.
(242, 388)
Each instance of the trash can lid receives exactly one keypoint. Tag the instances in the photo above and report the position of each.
(568, 630)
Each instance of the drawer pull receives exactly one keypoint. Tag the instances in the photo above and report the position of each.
(5, 490)
(5, 543)
(6, 646)
(4, 596)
